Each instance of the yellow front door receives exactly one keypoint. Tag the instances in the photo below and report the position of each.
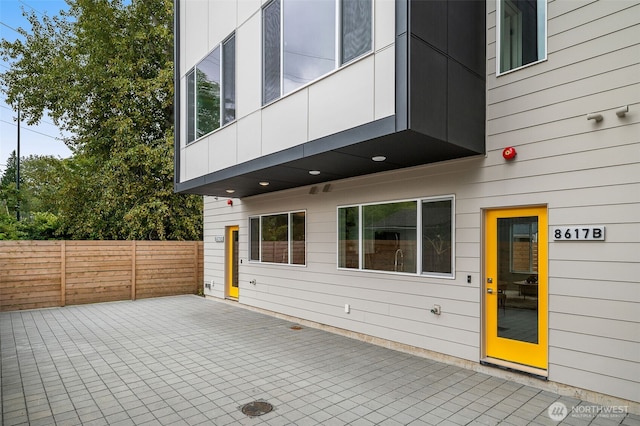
(231, 256)
(515, 286)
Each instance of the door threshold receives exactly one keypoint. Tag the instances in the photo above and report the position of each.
(538, 373)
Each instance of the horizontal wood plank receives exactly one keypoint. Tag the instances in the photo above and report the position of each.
(95, 271)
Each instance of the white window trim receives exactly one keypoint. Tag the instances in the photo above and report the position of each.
(338, 54)
(195, 82)
(419, 202)
(289, 214)
(498, 32)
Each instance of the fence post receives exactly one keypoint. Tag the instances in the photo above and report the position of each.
(133, 269)
(197, 263)
(63, 273)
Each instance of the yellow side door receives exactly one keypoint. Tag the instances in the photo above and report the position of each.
(515, 287)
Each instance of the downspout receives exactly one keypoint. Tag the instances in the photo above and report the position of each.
(176, 94)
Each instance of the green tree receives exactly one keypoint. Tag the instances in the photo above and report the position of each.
(103, 71)
(10, 198)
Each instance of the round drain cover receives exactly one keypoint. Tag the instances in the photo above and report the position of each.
(256, 408)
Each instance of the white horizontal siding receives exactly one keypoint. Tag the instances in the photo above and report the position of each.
(586, 173)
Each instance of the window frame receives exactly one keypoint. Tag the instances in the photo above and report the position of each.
(290, 238)
(419, 237)
(543, 37)
(338, 37)
(192, 92)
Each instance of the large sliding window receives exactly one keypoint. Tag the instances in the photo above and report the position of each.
(404, 236)
(304, 40)
(278, 238)
(211, 92)
(522, 29)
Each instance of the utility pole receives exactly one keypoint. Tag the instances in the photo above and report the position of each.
(18, 170)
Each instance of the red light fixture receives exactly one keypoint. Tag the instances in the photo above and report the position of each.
(509, 153)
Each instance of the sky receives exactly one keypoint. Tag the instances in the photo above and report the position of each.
(45, 138)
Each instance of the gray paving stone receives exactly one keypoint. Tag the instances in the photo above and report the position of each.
(87, 365)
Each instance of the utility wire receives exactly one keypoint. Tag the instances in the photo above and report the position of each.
(42, 120)
(31, 130)
(9, 26)
(31, 7)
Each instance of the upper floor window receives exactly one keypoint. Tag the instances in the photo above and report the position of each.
(304, 40)
(522, 33)
(405, 236)
(278, 238)
(211, 91)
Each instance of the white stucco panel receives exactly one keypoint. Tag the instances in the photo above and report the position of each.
(249, 137)
(247, 8)
(195, 158)
(223, 148)
(284, 123)
(196, 32)
(342, 100)
(248, 66)
(385, 23)
(385, 83)
(222, 21)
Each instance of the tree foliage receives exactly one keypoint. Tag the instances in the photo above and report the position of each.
(103, 71)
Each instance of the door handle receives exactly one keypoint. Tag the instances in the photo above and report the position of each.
(490, 290)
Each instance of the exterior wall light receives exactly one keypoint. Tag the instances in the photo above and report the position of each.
(622, 111)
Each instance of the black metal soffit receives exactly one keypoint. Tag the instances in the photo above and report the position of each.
(290, 168)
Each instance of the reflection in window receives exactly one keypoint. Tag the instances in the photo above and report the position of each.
(278, 238)
(254, 240)
(271, 52)
(229, 80)
(298, 238)
(208, 94)
(522, 29)
(348, 237)
(389, 236)
(356, 18)
(437, 241)
(384, 237)
(302, 35)
(191, 105)
(308, 41)
(212, 78)
(524, 246)
(275, 239)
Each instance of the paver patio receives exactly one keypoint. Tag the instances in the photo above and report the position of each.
(186, 360)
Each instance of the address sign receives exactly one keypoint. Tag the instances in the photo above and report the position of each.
(578, 233)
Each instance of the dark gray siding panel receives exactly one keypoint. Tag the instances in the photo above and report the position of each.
(466, 34)
(428, 90)
(429, 22)
(465, 108)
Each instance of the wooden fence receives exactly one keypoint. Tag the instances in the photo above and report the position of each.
(40, 274)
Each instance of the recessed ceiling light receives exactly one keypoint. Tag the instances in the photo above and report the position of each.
(314, 172)
(230, 191)
(264, 183)
(379, 158)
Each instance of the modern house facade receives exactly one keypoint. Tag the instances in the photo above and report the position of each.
(457, 177)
